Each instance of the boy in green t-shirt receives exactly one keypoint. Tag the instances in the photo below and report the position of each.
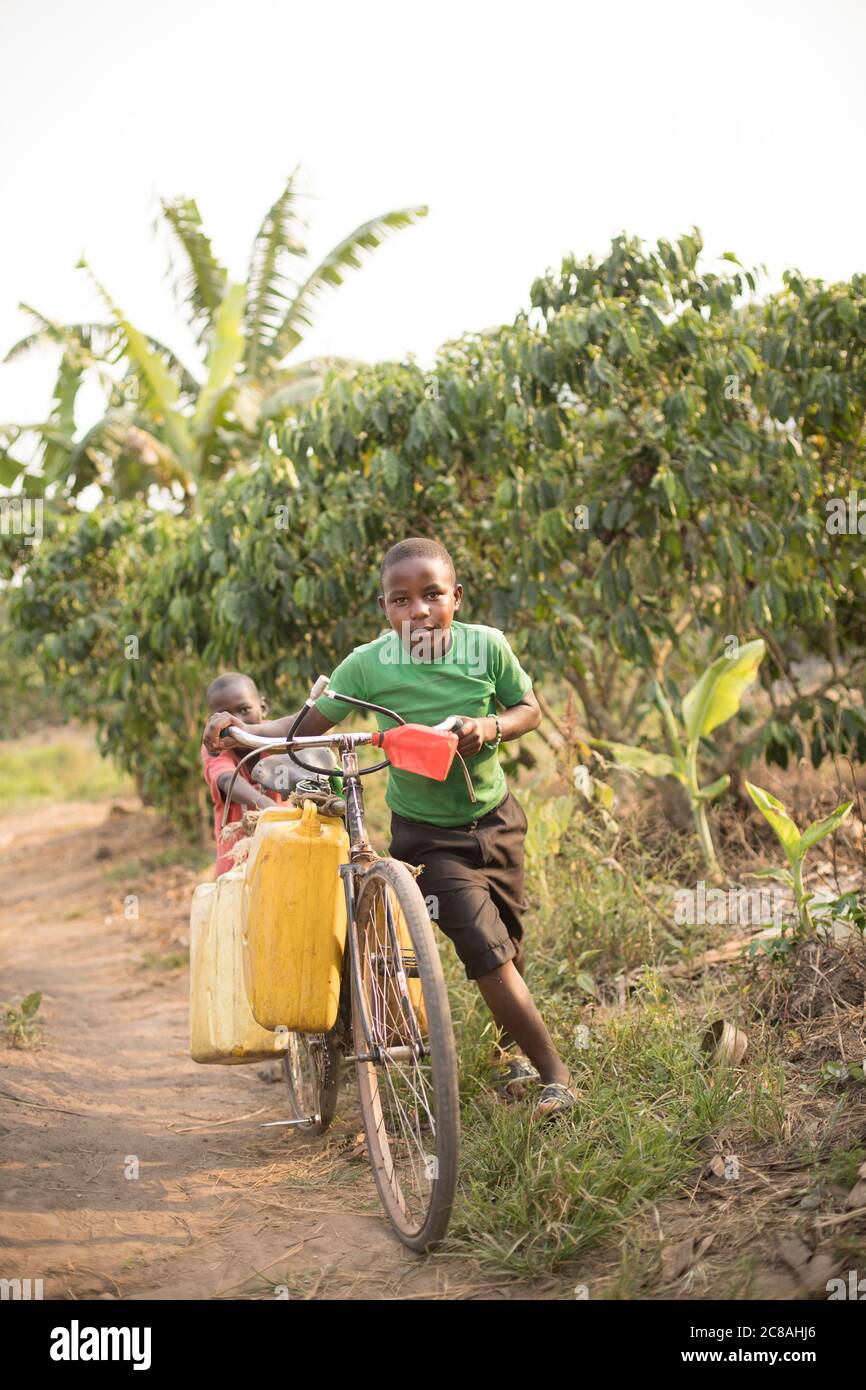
(429, 666)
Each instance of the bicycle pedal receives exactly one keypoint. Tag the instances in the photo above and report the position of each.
(275, 1124)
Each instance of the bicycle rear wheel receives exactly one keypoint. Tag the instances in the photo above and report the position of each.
(409, 1094)
(312, 1066)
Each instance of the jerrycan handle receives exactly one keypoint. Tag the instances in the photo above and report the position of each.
(309, 827)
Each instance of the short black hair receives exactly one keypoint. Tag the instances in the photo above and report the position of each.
(218, 687)
(416, 545)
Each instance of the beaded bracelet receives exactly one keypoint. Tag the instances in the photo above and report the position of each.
(498, 734)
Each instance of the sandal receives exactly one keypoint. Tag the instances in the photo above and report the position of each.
(554, 1101)
(511, 1079)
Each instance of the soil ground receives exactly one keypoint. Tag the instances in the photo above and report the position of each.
(130, 1171)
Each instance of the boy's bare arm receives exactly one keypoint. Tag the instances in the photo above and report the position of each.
(519, 719)
(242, 792)
(313, 723)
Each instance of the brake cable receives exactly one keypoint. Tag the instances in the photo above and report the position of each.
(228, 800)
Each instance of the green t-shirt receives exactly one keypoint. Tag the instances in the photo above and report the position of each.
(477, 673)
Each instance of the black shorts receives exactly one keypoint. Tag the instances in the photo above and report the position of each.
(475, 874)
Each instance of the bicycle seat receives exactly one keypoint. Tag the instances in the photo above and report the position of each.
(281, 773)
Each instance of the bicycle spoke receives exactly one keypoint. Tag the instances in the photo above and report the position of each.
(403, 1104)
(413, 1133)
(413, 1146)
(408, 1100)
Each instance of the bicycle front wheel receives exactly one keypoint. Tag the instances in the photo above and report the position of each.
(408, 1077)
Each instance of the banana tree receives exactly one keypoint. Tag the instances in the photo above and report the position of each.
(795, 846)
(163, 423)
(58, 456)
(714, 699)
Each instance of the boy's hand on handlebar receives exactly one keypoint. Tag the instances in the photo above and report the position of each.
(472, 734)
(213, 741)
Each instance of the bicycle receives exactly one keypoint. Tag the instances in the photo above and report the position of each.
(404, 1051)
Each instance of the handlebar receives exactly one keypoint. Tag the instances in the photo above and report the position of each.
(294, 743)
(248, 740)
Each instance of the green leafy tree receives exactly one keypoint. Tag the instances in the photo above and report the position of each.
(163, 423)
(613, 477)
(90, 627)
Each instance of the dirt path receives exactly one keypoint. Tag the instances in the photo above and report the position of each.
(128, 1170)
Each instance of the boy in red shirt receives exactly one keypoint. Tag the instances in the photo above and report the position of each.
(237, 694)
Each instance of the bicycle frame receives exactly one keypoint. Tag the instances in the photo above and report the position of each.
(362, 856)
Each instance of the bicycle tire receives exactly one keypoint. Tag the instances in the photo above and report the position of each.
(398, 1158)
(312, 1067)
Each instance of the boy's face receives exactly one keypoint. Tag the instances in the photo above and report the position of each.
(242, 699)
(419, 596)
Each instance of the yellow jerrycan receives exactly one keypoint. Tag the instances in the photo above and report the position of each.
(221, 1024)
(294, 918)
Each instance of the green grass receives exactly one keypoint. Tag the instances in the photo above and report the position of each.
(534, 1200)
(188, 853)
(20, 1025)
(172, 960)
(842, 1165)
(66, 767)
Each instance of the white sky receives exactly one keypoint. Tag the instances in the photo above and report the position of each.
(530, 127)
